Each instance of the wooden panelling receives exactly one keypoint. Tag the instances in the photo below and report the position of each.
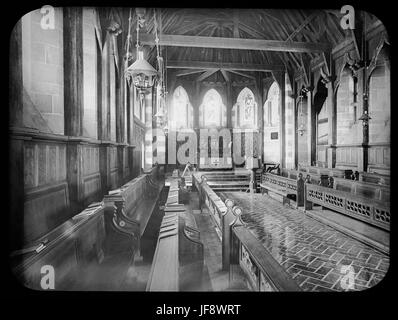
(44, 209)
(347, 156)
(379, 159)
(44, 163)
(113, 167)
(91, 177)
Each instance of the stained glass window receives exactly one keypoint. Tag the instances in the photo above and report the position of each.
(246, 108)
(181, 111)
(213, 110)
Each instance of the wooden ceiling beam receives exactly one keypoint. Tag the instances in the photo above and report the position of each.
(225, 75)
(188, 72)
(243, 74)
(223, 65)
(206, 74)
(233, 43)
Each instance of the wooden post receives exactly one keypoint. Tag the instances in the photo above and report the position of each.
(311, 127)
(73, 71)
(300, 190)
(73, 99)
(15, 76)
(280, 79)
(226, 222)
(332, 133)
(16, 150)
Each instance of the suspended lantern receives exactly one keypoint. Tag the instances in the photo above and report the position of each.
(141, 73)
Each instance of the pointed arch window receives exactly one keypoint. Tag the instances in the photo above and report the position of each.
(245, 110)
(212, 110)
(181, 113)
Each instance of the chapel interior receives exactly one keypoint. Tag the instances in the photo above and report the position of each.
(160, 149)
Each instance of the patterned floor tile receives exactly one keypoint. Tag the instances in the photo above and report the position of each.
(316, 255)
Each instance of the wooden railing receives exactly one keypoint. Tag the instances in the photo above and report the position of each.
(369, 210)
(241, 247)
(208, 198)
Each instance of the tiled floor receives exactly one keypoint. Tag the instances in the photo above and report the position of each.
(317, 256)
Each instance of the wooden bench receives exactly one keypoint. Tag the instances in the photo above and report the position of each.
(363, 189)
(329, 172)
(134, 202)
(372, 211)
(80, 251)
(179, 256)
(314, 178)
(286, 190)
(375, 178)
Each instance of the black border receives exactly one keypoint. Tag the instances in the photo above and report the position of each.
(142, 305)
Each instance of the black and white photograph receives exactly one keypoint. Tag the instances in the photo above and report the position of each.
(158, 149)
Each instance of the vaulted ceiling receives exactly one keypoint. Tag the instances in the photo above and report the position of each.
(305, 30)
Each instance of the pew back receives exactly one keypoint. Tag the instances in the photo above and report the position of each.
(372, 211)
(69, 248)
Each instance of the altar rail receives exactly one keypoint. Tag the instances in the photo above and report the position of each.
(289, 189)
(241, 247)
(372, 211)
(77, 250)
(134, 203)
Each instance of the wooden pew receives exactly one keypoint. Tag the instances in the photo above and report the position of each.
(79, 253)
(242, 248)
(286, 190)
(329, 172)
(372, 211)
(312, 177)
(375, 178)
(134, 202)
(363, 189)
(179, 256)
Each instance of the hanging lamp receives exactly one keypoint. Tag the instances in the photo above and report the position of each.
(141, 73)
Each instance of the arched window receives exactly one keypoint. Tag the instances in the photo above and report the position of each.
(289, 124)
(379, 102)
(212, 111)
(271, 125)
(181, 113)
(271, 107)
(244, 112)
(346, 108)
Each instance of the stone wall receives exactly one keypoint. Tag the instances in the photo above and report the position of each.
(42, 63)
(89, 74)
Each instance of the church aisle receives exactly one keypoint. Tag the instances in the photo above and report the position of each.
(317, 256)
(219, 280)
